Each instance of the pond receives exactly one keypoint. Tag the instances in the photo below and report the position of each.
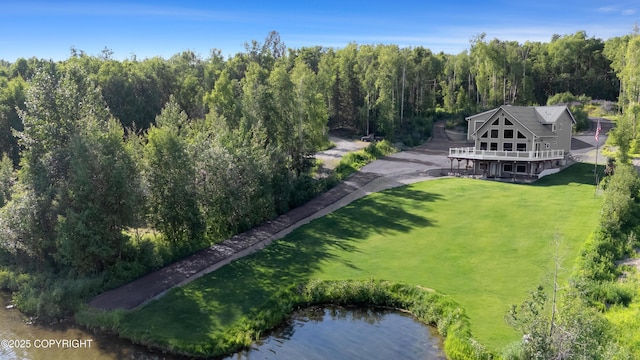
(348, 333)
(312, 333)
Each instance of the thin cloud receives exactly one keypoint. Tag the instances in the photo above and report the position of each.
(607, 9)
(617, 10)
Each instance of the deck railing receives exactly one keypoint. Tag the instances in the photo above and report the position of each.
(473, 153)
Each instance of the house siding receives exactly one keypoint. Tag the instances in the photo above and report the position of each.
(565, 128)
(497, 129)
(505, 144)
(471, 128)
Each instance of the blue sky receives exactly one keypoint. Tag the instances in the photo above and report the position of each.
(163, 28)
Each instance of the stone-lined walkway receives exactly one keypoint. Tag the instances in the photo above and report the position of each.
(155, 284)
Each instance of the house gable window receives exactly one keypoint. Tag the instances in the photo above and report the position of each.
(507, 147)
(495, 133)
(508, 133)
(521, 147)
(485, 135)
(507, 122)
(496, 122)
(521, 135)
(483, 146)
(494, 146)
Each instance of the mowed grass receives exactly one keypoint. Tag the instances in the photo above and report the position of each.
(484, 243)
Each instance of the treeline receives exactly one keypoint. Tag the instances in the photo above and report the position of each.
(114, 168)
(367, 88)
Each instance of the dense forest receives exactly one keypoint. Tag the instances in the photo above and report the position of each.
(112, 168)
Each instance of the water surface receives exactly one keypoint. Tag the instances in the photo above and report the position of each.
(348, 333)
(21, 339)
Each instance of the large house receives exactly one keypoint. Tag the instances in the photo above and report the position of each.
(516, 141)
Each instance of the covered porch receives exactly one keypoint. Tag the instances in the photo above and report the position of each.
(518, 165)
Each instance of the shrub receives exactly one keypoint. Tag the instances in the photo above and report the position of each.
(50, 296)
(513, 351)
(614, 293)
(596, 260)
(582, 118)
(305, 188)
(577, 106)
(415, 131)
(352, 162)
(102, 320)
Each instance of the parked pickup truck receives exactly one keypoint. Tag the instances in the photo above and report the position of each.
(368, 138)
(371, 137)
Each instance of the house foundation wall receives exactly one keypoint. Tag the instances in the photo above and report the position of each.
(505, 169)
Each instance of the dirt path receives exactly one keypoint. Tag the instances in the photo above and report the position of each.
(635, 262)
(330, 158)
(418, 164)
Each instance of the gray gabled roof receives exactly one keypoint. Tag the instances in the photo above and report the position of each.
(533, 118)
(484, 116)
(550, 114)
(529, 118)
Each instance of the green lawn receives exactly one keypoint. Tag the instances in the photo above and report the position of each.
(484, 243)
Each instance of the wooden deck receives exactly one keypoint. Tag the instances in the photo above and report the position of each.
(475, 154)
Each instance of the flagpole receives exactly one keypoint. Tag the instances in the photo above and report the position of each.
(597, 138)
(596, 167)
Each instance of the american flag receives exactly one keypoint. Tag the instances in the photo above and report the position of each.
(598, 129)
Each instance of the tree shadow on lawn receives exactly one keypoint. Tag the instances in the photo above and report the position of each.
(219, 299)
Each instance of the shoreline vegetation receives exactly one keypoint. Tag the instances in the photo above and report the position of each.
(427, 306)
